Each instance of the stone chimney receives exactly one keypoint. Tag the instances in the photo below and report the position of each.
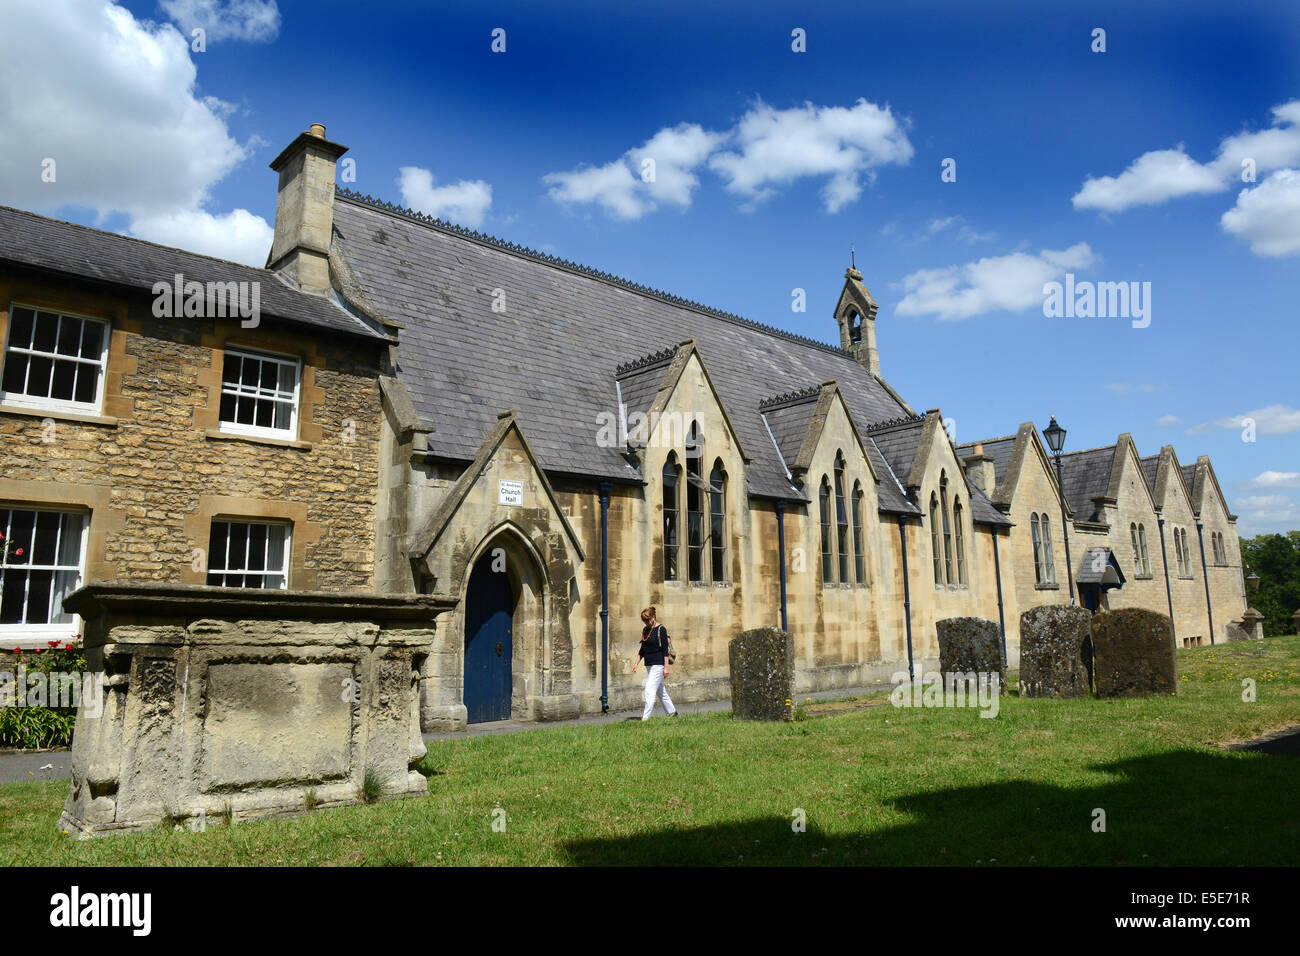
(304, 210)
(856, 315)
(980, 471)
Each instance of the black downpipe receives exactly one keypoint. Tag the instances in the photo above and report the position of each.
(907, 595)
(1205, 574)
(604, 597)
(997, 570)
(780, 535)
(1164, 559)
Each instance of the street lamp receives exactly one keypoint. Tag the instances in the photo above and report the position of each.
(1055, 436)
(1252, 582)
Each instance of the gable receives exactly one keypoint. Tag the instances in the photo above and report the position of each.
(506, 454)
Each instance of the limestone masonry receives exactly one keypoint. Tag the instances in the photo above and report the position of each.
(539, 450)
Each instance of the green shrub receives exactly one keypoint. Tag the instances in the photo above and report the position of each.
(36, 728)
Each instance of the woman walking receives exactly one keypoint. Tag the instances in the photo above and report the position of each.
(654, 651)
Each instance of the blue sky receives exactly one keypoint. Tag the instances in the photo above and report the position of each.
(1116, 166)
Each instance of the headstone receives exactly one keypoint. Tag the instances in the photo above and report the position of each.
(762, 674)
(1252, 622)
(1054, 651)
(971, 645)
(1134, 653)
(1296, 617)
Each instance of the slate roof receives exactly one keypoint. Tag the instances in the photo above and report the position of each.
(553, 353)
(999, 449)
(1151, 468)
(38, 242)
(789, 423)
(898, 444)
(1189, 476)
(1085, 475)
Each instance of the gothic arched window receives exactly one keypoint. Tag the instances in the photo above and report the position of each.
(828, 570)
(1142, 540)
(695, 504)
(841, 519)
(947, 528)
(1038, 549)
(1049, 561)
(718, 514)
(672, 519)
(859, 554)
(936, 545)
(960, 545)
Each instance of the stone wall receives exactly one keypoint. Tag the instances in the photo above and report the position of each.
(219, 704)
(154, 470)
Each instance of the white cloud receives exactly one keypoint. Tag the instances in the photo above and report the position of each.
(1012, 282)
(660, 171)
(1254, 502)
(776, 147)
(1124, 388)
(254, 20)
(964, 232)
(239, 236)
(1276, 479)
(121, 120)
(465, 202)
(1152, 178)
(1272, 420)
(1268, 216)
(1168, 421)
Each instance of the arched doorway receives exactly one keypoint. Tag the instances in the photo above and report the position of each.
(489, 640)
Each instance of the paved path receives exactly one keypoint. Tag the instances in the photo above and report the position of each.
(703, 707)
(28, 766)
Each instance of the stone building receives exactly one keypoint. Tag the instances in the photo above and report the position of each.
(168, 436)
(552, 448)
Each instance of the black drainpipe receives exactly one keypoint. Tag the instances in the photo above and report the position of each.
(1164, 559)
(997, 570)
(1205, 573)
(780, 536)
(604, 597)
(907, 595)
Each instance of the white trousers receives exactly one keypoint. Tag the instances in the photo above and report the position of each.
(655, 690)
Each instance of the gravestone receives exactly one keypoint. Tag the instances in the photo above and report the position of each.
(1054, 651)
(762, 674)
(1134, 651)
(971, 645)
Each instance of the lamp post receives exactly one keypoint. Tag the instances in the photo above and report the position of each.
(1055, 436)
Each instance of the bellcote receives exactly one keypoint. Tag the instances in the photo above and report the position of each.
(856, 314)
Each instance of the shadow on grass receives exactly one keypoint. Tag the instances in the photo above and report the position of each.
(1184, 807)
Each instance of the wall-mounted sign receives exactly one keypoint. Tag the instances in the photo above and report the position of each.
(510, 493)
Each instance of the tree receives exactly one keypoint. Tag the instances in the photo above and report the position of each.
(1276, 559)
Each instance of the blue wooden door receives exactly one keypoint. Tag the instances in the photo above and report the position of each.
(489, 623)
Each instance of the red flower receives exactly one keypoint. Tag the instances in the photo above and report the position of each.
(18, 650)
(53, 643)
(67, 647)
(19, 552)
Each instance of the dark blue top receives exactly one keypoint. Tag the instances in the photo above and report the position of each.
(654, 648)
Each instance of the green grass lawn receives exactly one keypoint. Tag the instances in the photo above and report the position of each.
(878, 785)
